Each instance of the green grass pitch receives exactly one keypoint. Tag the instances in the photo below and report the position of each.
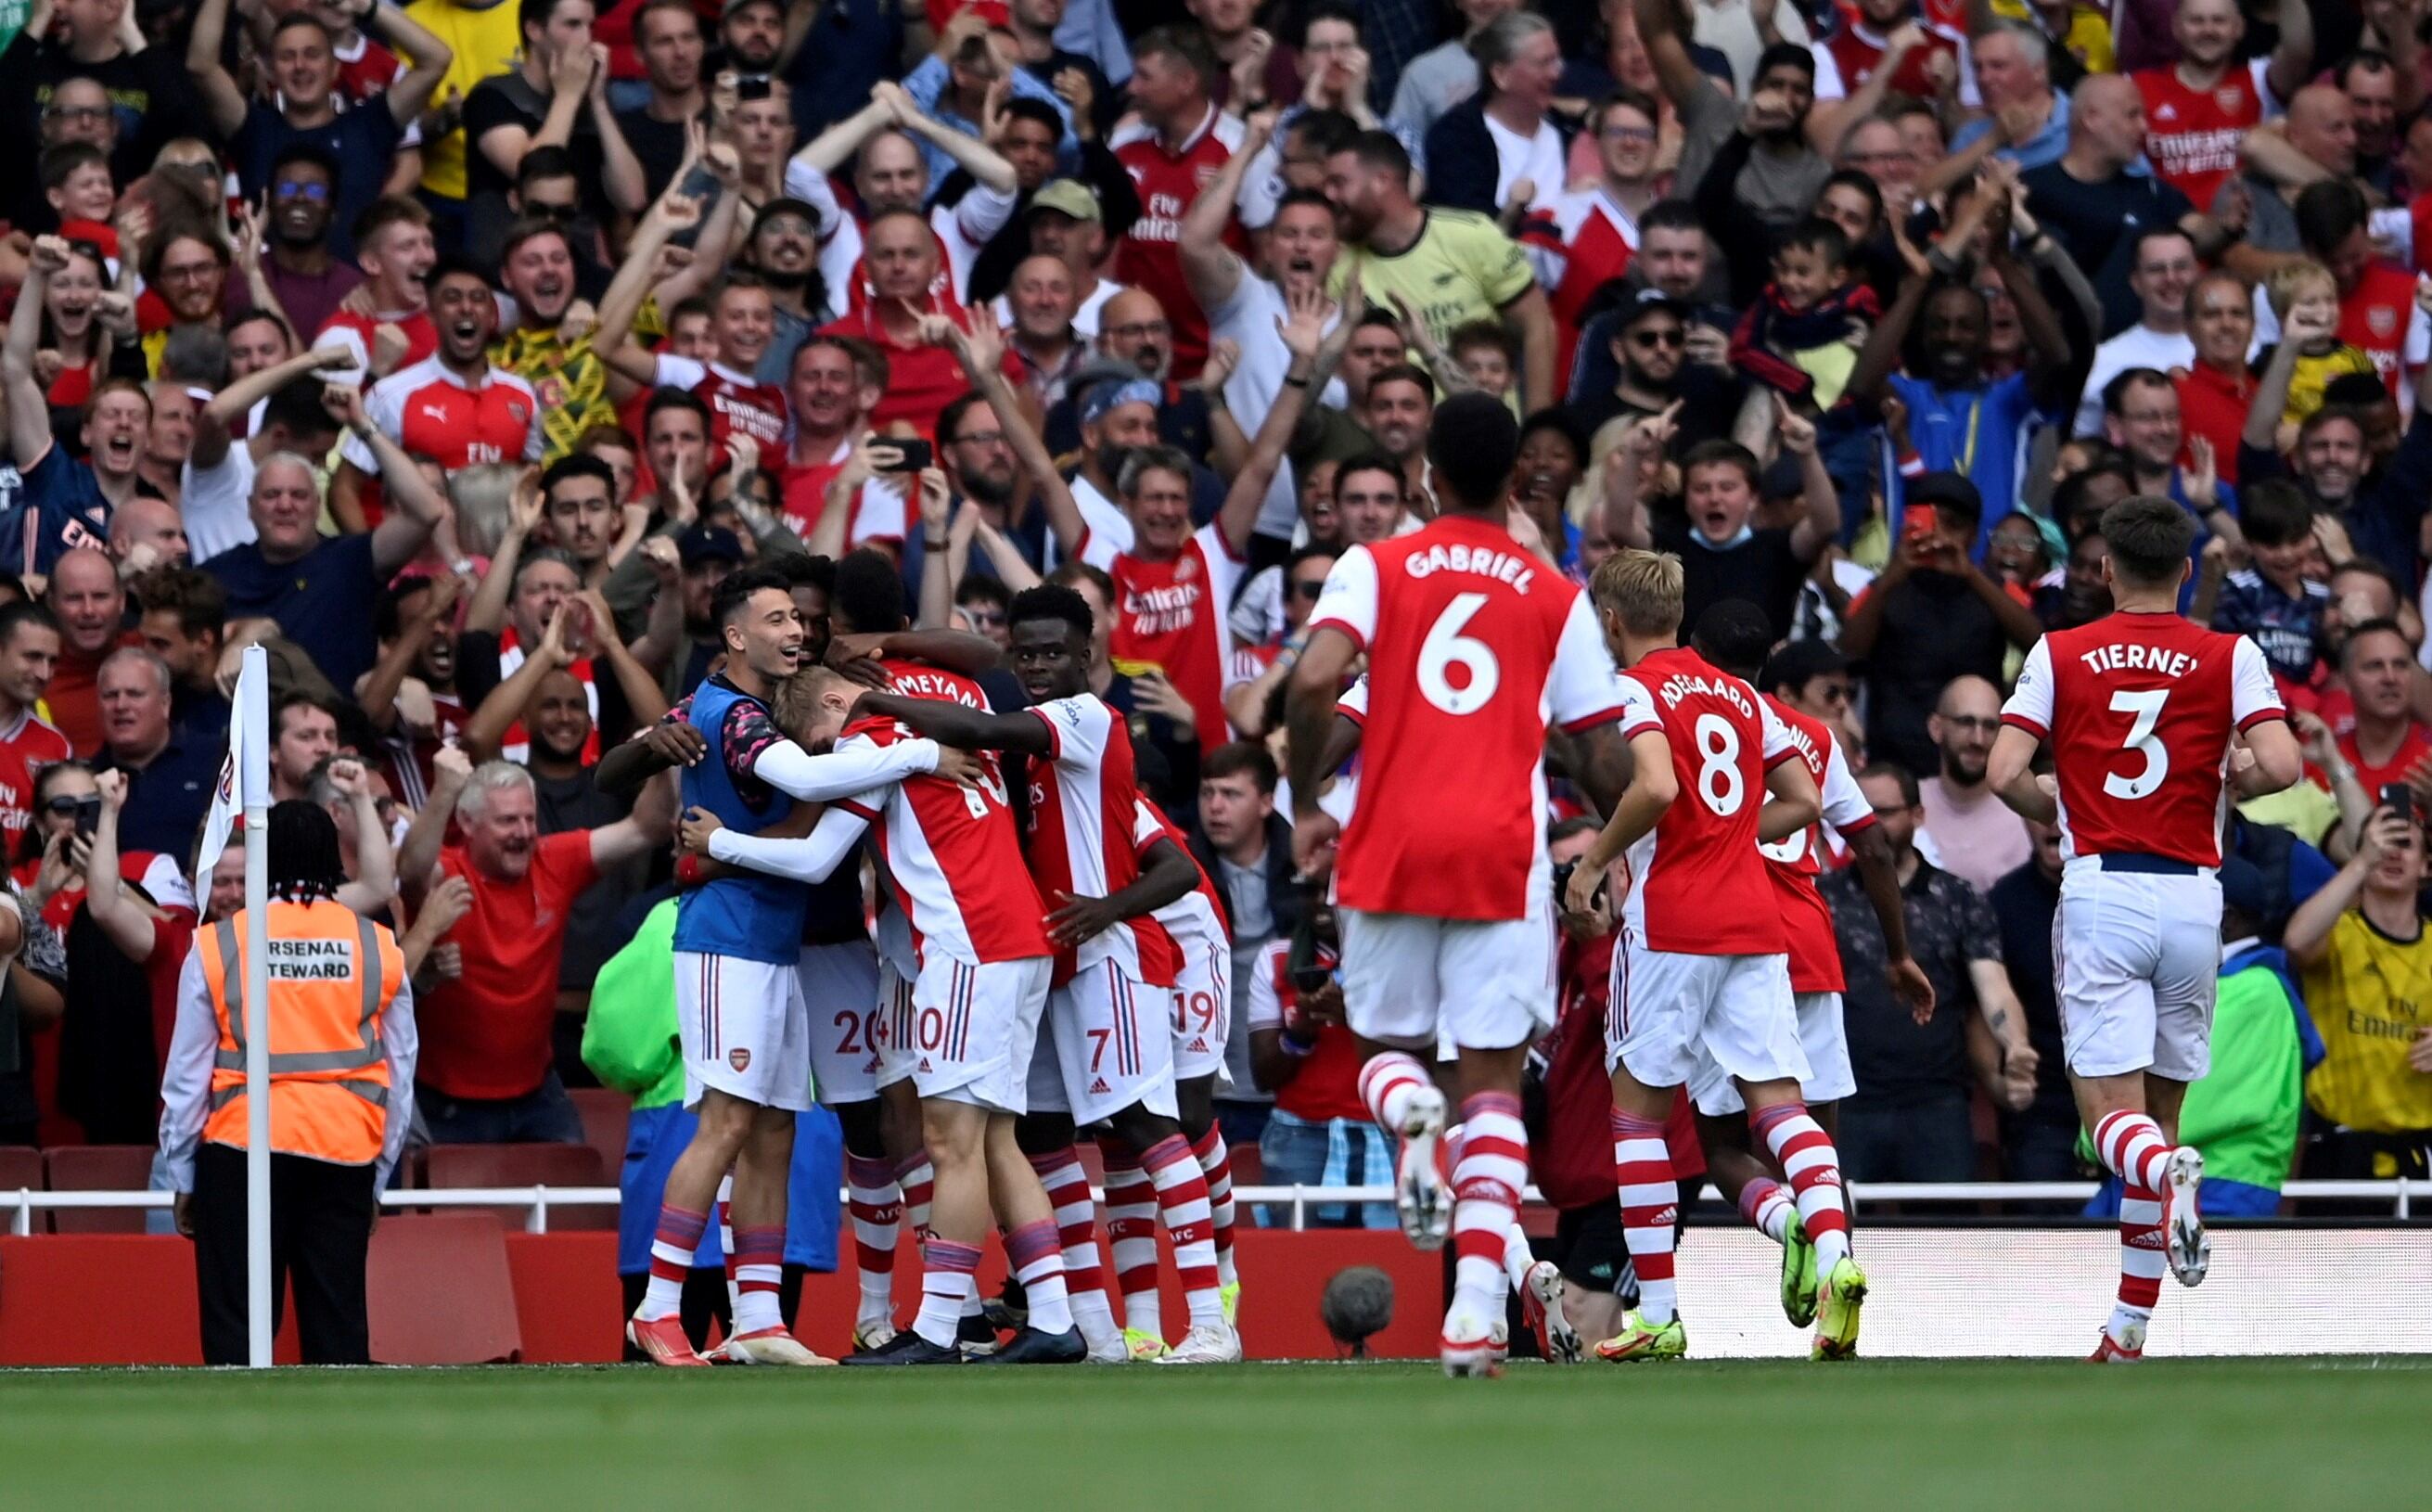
(2203, 1435)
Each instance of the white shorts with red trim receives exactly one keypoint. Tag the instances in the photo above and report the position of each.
(1822, 1034)
(2136, 963)
(973, 1028)
(1670, 1013)
(840, 987)
(1105, 1047)
(1203, 1014)
(1410, 980)
(742, 1027)
(895, 1023)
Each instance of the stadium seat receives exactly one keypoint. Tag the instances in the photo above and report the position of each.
(604, 1112)
(459, 1165)
(20, 1170)
(1249, 1166)
(98, 1169)
(440, 1291)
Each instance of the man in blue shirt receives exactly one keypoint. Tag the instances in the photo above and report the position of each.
(318, 589)
(171, 774)
(1960, 418)
(64, 503)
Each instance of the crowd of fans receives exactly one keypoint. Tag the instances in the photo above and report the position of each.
(455, 352)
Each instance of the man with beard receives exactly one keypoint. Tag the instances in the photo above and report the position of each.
(785, 252)
(1118, 418)
(1959, 419)
(1401, 405)
(751, 40)
(306, 108)
(1650, 343)
(1969, 832)
(2381, 505)
(66, 503)
(309, 281)
(1448, 268)
(667, 35)
(183, 621)
(453, 407)
(889, 174)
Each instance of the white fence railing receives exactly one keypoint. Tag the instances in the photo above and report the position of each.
(24, 1203)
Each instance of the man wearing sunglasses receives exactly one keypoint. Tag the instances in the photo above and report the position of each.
(1652, 344)
(309, 282)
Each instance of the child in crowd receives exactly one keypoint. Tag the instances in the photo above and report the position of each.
(2307, 287)
(2272, 600)
(1803, 333)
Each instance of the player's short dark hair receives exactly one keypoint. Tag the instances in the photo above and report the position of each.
(869, 592)
(2372, 627)
(2327, 214)
(1735, 635)
(195, 596)
(575, 465)
(1381, 150)
(1800, 663)
(663, 398)
(1038, 112)
(735, 591)
(1719, 452)
(1184, 44)
(1822, 237)
(24, 612)
(1897, 774)
(1326, 132)
(1671, 215)
(300, 150)
(2150, 538)
(1472, 443)
(2275, 512)
(1051, 601)
(1235, 758)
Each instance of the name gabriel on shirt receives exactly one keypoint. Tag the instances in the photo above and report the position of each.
(1512, 567)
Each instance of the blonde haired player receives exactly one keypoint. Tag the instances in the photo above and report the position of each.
(2143, 712)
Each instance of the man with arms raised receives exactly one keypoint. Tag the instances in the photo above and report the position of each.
(2148, 716)
(1473, 646)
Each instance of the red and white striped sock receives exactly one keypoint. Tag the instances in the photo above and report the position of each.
(1813, 1166)
(1767, 1208)
(672, 1246)
(1387, 1083)
(1216, 1165)
(946, 1270)
(1037, 1261)
(759, 1256)
(1076, 1231)
(1131, 1229)
(876, 1204)
(726, 1242)
(1487, 1179)
(2130, 1147)
(919, 1181)
(1651, 1204)
(1182, 1203)
(2140, 1261)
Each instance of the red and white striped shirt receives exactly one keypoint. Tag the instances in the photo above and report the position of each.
(431, 411)
(1795, 864)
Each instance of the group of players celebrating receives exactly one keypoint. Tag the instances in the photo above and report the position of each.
(1029, 987)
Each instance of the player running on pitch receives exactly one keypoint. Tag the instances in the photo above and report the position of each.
(2143, 712)
(1702, 972)
(1475, 647)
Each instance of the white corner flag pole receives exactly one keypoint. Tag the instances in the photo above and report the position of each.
(249, 752)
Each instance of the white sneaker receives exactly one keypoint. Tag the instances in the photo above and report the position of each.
(2183, 1230)
(767, 1346)
(1107, 1346)
(1419, 1196)
(1540, 1304)
(1206, 1344)
(1472, 1344)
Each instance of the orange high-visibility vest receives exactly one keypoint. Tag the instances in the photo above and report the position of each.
(332, 975)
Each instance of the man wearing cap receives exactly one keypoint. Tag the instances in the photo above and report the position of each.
(1651, 345)
(1065, 223)
(704, 556)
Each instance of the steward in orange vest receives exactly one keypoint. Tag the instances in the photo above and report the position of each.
(342, 1046)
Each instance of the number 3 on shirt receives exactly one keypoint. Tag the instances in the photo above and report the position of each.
(1445, 646)
(2147, 707)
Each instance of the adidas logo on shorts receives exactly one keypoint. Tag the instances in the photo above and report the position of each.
(1098, 1087)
